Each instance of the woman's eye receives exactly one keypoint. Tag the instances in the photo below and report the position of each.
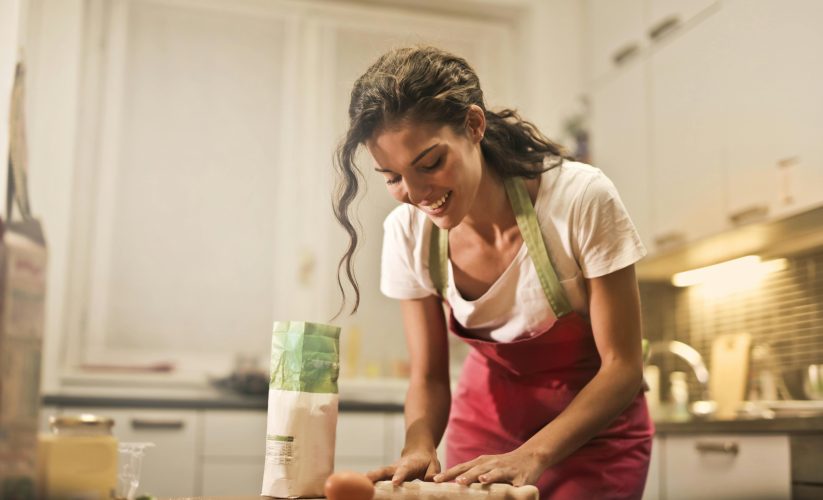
(392, 180)
(434, 165)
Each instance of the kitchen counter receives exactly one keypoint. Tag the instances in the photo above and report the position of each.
(742, 425)
(356, 395)
(226, 401)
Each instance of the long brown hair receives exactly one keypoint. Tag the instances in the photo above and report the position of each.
(428, 85)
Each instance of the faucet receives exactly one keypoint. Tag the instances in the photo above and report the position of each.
(688, 354)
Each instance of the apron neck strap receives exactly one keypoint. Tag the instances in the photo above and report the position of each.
(530, 231)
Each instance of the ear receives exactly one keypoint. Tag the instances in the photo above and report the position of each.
(475, 123)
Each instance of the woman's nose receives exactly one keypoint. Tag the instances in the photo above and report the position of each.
(416, 191)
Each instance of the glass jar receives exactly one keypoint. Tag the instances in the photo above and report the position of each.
(78, 459)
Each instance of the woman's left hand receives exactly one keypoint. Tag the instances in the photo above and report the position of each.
(518, 468)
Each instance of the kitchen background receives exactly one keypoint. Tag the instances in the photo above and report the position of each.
(180, 160)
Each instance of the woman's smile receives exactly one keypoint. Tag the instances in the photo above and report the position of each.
(439, 206)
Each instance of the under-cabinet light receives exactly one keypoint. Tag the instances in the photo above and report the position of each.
(742, 271)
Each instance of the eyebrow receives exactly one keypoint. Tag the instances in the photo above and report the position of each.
(416, 159)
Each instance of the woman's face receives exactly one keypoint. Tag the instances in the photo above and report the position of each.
(431, 167)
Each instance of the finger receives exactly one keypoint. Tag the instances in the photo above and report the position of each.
(400, 474)
(453, 472)
(495, 476)
(432, 470)
(379, 474)
(471, 475)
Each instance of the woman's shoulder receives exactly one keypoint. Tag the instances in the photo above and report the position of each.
(571, 179)
(571, 171)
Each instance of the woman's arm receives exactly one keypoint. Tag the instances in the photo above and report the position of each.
(614, 306)
(429, 395)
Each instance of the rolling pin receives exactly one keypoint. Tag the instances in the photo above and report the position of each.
(420, 490)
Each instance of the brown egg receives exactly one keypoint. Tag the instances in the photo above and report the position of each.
(349, 486)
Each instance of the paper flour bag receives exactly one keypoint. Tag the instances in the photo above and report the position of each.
(302, 417)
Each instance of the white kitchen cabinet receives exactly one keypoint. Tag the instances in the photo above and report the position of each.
(727, 466)
(688, 133)
(618, 31)
(674, 12)
(619, 140)
(775, 153)
(614, 29)
(233, 452)
(654, 481)
(171, 467)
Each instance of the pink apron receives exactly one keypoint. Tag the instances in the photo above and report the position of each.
(509, 391)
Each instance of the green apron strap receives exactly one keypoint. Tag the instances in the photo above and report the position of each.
(533, 237)
(438, 258)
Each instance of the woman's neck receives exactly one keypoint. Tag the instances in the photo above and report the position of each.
(491, 216)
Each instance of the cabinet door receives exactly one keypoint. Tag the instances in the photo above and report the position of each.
(677, 12)
(612, 27)
(620, 140)
(727, 466)
(654, 481)
(688, 133)
(776, 112)
(234, 448)
(170, 468)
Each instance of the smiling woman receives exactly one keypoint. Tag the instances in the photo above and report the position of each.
(439, 93)
(532, 255)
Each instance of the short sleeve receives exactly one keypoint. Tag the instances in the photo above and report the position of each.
(398, 279)
(606, 240)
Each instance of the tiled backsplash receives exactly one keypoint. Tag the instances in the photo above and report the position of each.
(785, 311)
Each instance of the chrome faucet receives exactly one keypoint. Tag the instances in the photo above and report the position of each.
(688, 354)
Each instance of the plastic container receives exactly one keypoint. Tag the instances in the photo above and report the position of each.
(679, 396)
(651, 375)
(78, 459)
(131, 463)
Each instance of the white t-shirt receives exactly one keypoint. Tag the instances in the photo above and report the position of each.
(587, 232)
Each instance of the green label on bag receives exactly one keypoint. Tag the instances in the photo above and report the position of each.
(305, 357)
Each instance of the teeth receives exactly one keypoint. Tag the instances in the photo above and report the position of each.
(441, 201)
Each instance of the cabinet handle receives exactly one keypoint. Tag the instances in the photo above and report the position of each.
(787, 162)
(624, 53)
(726, 447)
(150, 423)
(664, 27)
(749, 214)
(670, 239)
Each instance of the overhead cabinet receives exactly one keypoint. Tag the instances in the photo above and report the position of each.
(620, 128)
(775, 67)
(619, 30)
(716, 121)
(687, 134)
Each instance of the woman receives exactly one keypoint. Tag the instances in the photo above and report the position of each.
(523, 253)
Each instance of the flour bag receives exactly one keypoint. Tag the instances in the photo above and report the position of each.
(302, 416)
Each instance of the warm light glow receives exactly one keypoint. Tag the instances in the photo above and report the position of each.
(737, 274)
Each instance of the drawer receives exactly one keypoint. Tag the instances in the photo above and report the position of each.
(807, 491)
(727, 466)
(807, 455)
(170, 468)
(234, 434)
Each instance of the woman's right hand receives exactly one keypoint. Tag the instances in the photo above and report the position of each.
(417, 464)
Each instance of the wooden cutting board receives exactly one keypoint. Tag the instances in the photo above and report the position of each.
(729, 372)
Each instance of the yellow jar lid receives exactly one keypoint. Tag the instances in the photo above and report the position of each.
(83, 421)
